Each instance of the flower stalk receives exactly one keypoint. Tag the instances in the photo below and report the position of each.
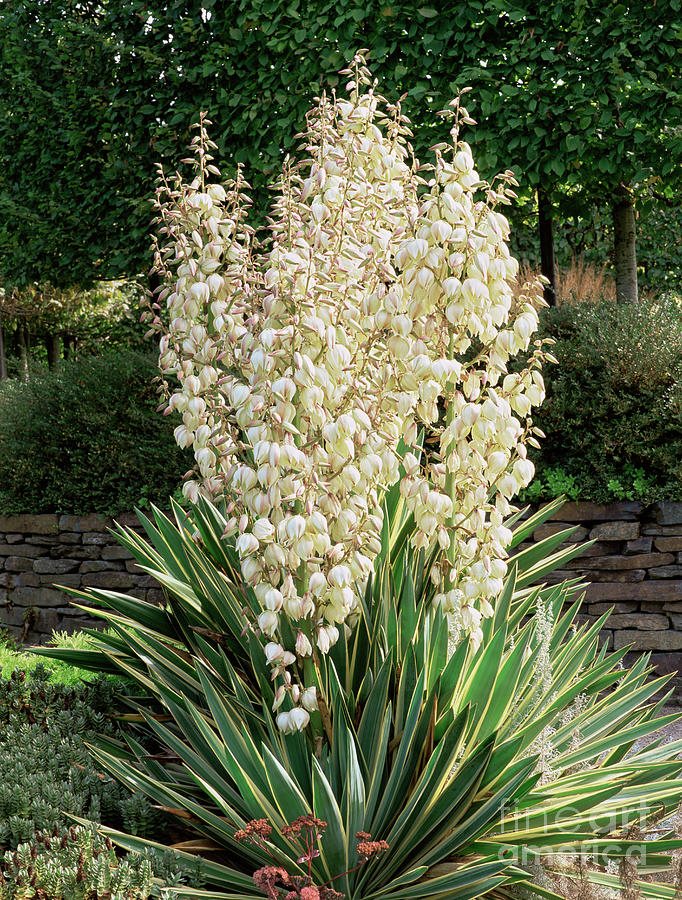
(304, 367)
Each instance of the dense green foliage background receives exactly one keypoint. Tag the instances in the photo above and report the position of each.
(613, 414)
(575, 95)
(87, 439)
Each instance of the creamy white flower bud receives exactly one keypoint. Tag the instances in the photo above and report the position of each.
(340, 576)
(323, 642)
(295, 527)
(298, 719)
(273, 600)
(246, 544)
(273, 651)
(283, 722)
(309, 699)
(263, 529)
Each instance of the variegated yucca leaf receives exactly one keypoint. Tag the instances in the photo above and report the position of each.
(473, 766)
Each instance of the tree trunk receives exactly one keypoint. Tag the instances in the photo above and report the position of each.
(547, 258)
(52, 345)
(23, 350)
(3, 360)
(624, 246)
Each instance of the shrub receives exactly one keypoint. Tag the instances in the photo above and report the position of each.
(77, 863)
(47, 771)
(613, 414)
(86, 439)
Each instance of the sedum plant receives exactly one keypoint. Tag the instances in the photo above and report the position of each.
(307, 368)
(47, 771)
(73, 864)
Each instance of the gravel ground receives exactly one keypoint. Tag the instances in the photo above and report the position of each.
(670, 733)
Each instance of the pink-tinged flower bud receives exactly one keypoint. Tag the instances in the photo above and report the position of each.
(288, 658)
(280, 694)
(303, 645)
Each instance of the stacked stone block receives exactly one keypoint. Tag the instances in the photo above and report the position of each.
(40, 553)
(634, 567)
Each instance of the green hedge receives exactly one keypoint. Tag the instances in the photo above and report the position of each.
(87, 439)
(613, 414)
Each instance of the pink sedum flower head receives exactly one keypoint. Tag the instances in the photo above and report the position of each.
(383, 298)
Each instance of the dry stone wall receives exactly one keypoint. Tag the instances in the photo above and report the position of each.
(39, 552)
(634, 566)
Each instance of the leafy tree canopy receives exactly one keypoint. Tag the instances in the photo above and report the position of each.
(577, 95)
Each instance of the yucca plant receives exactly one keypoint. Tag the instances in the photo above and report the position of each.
(348, 582)
(474, 767)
